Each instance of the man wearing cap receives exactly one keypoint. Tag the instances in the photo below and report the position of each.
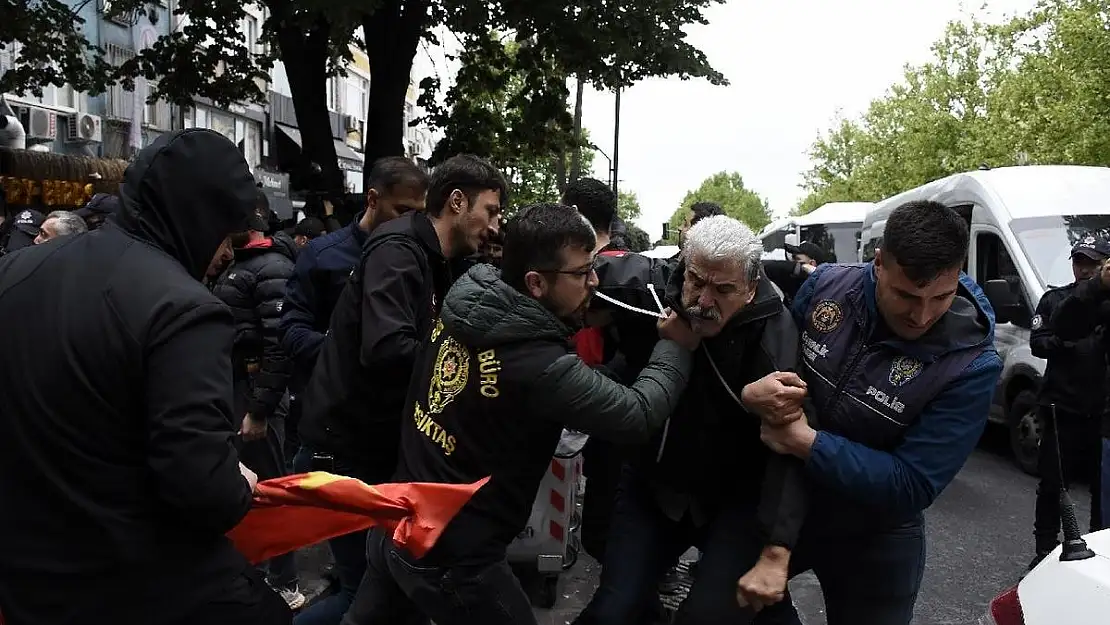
(23, 230)
(1068, 331)
(97, 209)
(790, 275)
(308, 229)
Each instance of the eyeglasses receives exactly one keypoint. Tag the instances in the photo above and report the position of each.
(577, 273)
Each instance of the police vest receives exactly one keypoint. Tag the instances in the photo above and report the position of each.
(868, 392)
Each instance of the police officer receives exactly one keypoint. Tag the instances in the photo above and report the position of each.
(900, 367)
(1073, 382)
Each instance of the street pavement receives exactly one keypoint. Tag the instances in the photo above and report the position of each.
(979, 542)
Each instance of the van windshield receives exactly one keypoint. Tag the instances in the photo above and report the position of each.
(839, 240)
(1047, 242)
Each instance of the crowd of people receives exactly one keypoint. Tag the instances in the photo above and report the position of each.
(781, 419)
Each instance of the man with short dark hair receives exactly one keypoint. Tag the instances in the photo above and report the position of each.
(351, 417)
(490, 398)
(901, 367)
(597, 203)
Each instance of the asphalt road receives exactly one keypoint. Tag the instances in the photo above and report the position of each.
(980, 540)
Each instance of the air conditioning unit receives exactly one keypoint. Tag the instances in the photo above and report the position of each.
(39, 124)
(84, 128)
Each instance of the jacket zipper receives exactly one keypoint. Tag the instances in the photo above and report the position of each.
(843, 381)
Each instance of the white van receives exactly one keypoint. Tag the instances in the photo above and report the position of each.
(834, 226)
(1024, 222)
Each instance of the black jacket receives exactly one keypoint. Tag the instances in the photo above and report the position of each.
(787, 275)
(1076, 367)
(711, 452)
(353, 403)
(490, 397)
(1083, 314)
(117, 469)
(254, 289)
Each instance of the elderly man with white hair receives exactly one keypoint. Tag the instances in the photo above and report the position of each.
(60, 224)
(706, 480)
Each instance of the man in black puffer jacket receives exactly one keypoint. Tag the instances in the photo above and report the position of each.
(254, 289)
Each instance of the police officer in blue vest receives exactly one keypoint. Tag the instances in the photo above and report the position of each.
(900, 367)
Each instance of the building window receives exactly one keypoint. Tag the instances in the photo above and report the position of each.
(355, 94)
(63, 96)
(223, 124)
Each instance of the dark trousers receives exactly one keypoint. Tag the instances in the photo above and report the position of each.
(348, 551)
(399, 590)
(1079, 458)
(247, 601)
(866, 579)
(602, 463)
(266, 457)
(643, 543)
(292, 436)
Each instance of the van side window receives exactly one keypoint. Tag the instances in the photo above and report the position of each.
(869, 249)
(993, 262)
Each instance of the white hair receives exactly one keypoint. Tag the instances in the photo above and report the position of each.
(723, 238)
(67, 223)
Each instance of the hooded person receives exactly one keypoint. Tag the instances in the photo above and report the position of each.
(117, 466)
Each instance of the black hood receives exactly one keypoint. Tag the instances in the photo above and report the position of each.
(185, 193)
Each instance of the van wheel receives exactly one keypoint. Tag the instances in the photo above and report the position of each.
(1025, 431)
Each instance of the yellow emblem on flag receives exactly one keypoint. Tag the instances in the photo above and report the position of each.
(319, 479)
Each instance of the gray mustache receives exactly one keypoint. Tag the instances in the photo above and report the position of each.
(705, 314)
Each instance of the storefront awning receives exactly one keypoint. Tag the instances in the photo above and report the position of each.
(348, 158)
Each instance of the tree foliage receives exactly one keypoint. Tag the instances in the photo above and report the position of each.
(628, 206)
(1032, 90)
(728, 190)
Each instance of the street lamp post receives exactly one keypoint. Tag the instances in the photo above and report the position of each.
(594, 147)
(616, 141)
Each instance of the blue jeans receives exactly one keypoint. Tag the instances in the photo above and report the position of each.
(1105, 469)
(643, 543)
(348, 551)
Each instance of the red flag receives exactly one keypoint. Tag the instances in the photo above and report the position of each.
(301, 510)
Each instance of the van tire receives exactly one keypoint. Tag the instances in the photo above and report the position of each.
(1025, 429)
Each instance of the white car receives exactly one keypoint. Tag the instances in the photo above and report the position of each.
(1059, 593)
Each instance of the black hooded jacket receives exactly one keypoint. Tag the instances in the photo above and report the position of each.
(711, 452)
(254, 289)
(117, 469)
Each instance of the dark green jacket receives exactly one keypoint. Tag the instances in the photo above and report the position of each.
(492, 392)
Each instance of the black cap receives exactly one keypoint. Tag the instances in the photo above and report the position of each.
(1095, 248)
(310, 227)
(814, 251)
(25, 227)
(100, 204)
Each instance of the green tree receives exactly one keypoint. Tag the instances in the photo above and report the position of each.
(638, 240)
(728, 190)
(628, 206)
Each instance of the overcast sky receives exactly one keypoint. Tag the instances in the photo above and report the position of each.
(792, 65)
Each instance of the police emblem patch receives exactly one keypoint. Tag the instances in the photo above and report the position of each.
(450, 375)
(826, 316)
(1037, 322)
(904, 369)
(1089, 241)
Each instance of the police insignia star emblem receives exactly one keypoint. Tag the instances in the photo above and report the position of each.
(904, 369)
(826, 316)
(452, 370)
(1037, 322)
(1089, 241)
